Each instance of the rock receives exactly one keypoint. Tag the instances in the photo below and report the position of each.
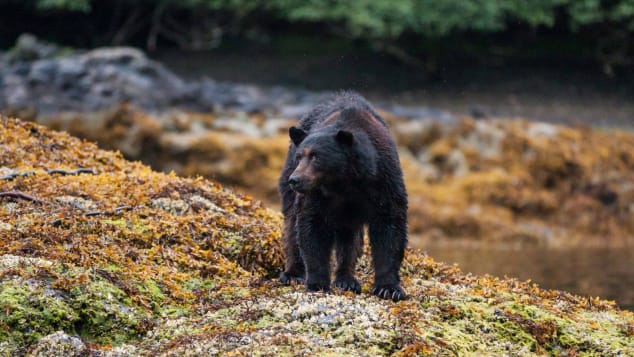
(59, 344)
(42, 72)
(276, 126)
(485, 138)
(8, 261)
(536, 130)
(479, 112)
(29, 48)
(91, 81)
(241, 125)
(7, 172)
(45, 80)
(172, 206)
(457, 163)
(420, 113)
(295, 110)
(198, 202)
(415, 134)
(77, 202)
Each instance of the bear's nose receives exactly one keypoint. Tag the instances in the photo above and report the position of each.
(293, 180)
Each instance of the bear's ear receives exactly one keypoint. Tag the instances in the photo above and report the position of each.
(344, 137)
(297, 135)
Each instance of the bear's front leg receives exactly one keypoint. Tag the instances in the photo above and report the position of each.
(388, 238)
(315, 246)
(294, 269)
(348, 247)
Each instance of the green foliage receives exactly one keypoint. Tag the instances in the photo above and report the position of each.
(72, 5)
(368, 18)
(391, 18)
(599, 30)
(586, 12)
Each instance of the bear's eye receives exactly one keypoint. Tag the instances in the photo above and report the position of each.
(312, 156)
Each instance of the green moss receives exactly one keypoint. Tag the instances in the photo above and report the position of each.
(474, 327)
(115, 222)
(155, 297)
(112, 268)
(129, 226)
(174, 311)
(233, 244)
(228, 317)
(75, 301)
(29, 311)
(106, 313)
(155, 292)
(266, 320)
(197, 284)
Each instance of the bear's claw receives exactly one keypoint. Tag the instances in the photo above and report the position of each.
(348, 284)
(288, 278)
(393, 292)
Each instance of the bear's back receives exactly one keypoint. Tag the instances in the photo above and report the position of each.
(344, 100)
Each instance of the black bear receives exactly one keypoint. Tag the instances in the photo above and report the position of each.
(342, 172)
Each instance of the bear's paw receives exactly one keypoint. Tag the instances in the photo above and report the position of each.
(348, 284)
(389, 291)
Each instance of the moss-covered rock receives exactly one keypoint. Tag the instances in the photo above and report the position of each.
(162, 265)
(39, 297)
(59, 344)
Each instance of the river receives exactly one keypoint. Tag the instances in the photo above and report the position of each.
(604, 272)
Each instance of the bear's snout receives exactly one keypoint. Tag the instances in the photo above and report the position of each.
(293, 181)
(296, 183)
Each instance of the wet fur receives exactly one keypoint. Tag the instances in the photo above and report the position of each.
(361, 185)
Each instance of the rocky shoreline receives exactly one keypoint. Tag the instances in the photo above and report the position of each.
(507, 182)
(120, 260)
(38, 79)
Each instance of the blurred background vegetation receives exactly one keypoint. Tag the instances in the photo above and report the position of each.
(421, 33)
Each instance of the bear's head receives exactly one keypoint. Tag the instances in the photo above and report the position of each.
(329, 159)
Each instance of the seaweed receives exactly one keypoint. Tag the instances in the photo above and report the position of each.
(500, 181)
(188, 268)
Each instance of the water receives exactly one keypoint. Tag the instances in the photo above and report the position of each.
(604, 272)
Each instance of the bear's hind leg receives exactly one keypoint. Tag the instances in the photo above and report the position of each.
(349, 247)
(388, 238)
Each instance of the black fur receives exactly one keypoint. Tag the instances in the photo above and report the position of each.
(344, 173)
